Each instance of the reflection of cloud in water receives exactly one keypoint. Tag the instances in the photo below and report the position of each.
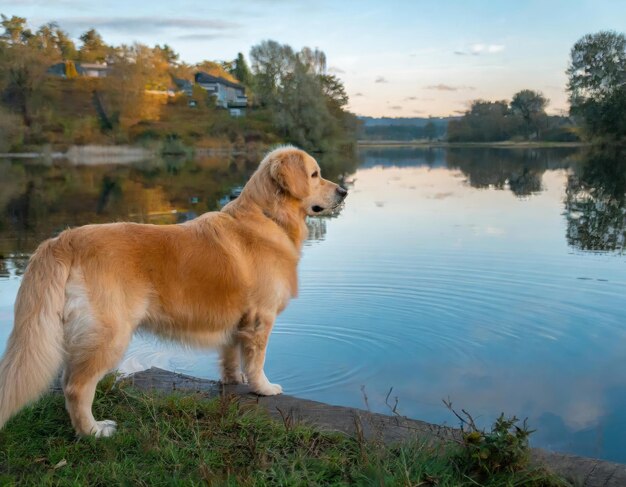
(440, 196)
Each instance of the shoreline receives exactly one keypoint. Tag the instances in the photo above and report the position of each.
(583, 471)
(124, 153)
(446, 145)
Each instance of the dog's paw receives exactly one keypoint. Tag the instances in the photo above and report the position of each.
(104, 429)
(267, 389)
(233, 380)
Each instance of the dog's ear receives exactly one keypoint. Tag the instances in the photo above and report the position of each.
(289, 171)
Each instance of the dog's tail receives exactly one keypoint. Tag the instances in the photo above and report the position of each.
(35, 349)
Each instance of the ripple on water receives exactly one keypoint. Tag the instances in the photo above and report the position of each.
(439, 306)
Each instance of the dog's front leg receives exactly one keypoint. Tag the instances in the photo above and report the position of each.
(254, 332)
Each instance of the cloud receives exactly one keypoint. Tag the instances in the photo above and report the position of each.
(480, 48)
(493, 48)
(395, 107)
(138, 25)
(358, 94)
(200, 37)
(381, 79)
(411, 98)
(335, 70)
(444, 87)
(417, 112)
(460, 112)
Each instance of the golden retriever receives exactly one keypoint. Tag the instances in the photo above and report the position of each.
(217, 281)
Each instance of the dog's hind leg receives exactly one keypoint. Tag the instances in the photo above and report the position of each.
(230, 362)
(90, 356)
(254, 332)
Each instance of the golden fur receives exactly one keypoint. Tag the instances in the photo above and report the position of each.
(218, 280)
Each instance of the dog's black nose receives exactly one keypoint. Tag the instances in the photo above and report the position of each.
(342, 191)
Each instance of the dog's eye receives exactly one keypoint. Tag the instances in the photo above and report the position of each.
(315, 174)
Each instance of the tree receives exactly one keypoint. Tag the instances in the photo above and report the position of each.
(15, 31)
(314, 60)
(597, 82)
(167, 53)
(430, 130)
(302, 115)
(484, 121)
(530, 105)
(307, 104)
(93, 49)
(241, 71)
(65, 45)
(23, 81)
(271, 63)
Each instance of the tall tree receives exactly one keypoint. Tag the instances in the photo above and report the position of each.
(313, 59)
(530, 105)
(65, 44)
(307, 105)
(241, 71)
(430, 130)
(168, 54)
(22, 70)
(272, 63)
(334, 91)
(15, 31)
(93, 49)
(484, 121)
(597, 82)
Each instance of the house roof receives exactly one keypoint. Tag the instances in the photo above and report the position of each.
(181, 83)
(202, 77)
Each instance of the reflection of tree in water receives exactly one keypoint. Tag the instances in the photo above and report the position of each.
(402, 157)
(12, 266)
(336, 165)
(595, 201)
(519, 170)
(317, 228)
(38, 201)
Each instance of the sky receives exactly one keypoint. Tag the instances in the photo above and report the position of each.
(396, 58)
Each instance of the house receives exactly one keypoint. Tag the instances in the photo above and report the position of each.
(228, 94)
(94, 70)
(70, 69)
(182, 85)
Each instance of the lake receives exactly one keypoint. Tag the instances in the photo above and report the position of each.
(495, 278)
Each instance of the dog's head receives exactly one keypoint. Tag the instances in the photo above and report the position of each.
(299, 176)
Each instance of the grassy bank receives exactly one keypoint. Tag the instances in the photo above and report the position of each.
(504, 145)
(189, 440)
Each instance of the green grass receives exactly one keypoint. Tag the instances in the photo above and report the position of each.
(190, 440)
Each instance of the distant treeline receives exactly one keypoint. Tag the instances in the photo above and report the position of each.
(292, 97)
(404, 129)
(524, 118)
(597, 96)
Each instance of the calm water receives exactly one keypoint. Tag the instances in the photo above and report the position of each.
(495, 278)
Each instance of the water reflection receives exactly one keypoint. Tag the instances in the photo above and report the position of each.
(519, 170)
(595, 201)
(39, 200)
(447, 274)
